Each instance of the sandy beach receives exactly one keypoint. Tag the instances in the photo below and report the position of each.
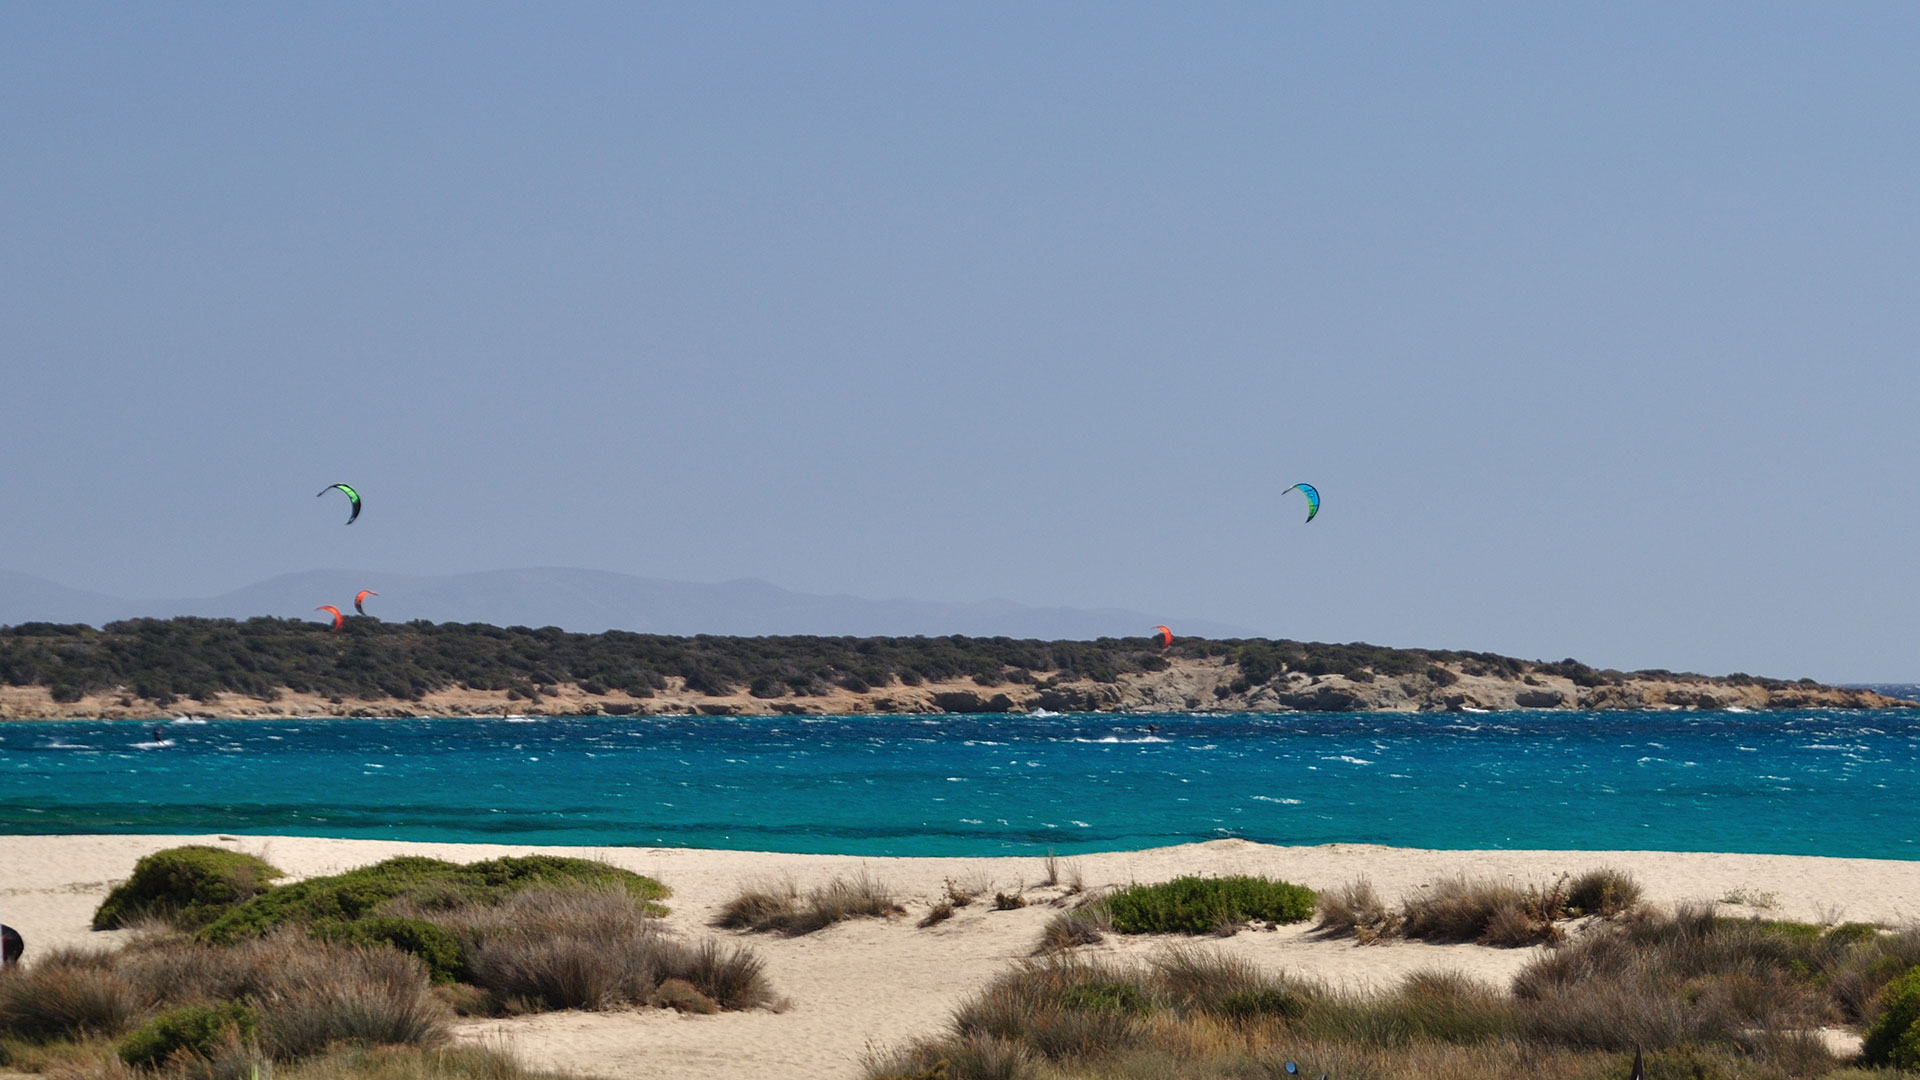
(876, 983)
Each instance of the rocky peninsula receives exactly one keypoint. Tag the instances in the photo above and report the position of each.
(275, 667)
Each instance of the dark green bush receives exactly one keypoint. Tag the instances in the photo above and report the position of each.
(1262, 1003)
(1894, 1039)
(195, 1029)
(1851, 933)
(1199, 905)
(186, 886)
(436, 946)
(1117, 996)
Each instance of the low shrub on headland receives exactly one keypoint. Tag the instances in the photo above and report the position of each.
(161, 661)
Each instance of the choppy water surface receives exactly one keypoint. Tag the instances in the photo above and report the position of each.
(1818, 783)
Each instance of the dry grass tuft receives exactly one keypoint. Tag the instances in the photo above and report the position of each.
(1076, 879)
(1606, 892)
(938, 913)
(594, 949)
(732, 976)
(69, 994)
(964, 891)
(681, 996)
(1088, 926)
(781, 909)
(1748, 896)
(368, 997)
(464, 1062)
(759, 907)
(1355, 910)
(1486, 911)
(563, 948)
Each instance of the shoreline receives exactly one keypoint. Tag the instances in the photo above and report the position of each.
(879, 982)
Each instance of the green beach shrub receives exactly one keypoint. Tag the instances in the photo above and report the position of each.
(1894, 1039)
(422, 884)
(1202, 905)
(434, 945)
(185, 886)
(194, 1029)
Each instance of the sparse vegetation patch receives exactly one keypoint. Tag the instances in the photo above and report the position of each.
(290, 981)
(1700, 997)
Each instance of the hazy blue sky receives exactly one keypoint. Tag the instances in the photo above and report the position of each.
(1595, 324)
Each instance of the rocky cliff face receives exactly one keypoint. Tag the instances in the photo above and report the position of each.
(1186, 685)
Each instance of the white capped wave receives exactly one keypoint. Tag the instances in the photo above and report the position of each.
(1277, 799)
(189, 720)
(1348, 758)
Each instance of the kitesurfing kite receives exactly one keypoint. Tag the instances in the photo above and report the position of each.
(339, 620)
(361, 597)
(351, 494)
(1313, 499)
(1166, 637)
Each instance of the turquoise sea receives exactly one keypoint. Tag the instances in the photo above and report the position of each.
(1814, 783)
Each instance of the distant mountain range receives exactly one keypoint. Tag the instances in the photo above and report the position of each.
(589, 601)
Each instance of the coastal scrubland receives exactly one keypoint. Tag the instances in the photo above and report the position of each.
(354, 974)
(269, 666)
(1697, 994)
(1714, 965)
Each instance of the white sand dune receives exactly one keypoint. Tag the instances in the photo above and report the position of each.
(875, 983)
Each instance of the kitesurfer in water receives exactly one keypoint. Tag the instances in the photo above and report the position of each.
(159, 736)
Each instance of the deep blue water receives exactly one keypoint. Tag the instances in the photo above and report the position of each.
(1817, 783)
